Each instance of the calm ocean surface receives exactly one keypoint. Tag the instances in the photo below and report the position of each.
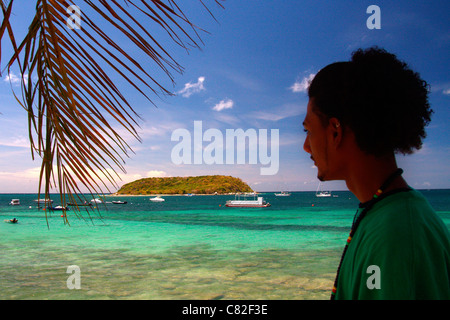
(183, 248)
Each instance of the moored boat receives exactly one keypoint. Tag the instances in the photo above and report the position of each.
(58, 208)
(157, 199)
(282, 194)
(247, 201)
(320, 193)
(119, 202)
(43, 201)
(14, 202)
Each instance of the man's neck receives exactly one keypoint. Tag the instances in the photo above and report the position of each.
(365, 177)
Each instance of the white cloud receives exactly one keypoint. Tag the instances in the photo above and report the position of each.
(224, 104)
(155, 148)
(14, 79)
(226, 118)
(441, 87)
(191, 88)
(242, 80)
(30, 173)
(159, 130)
(285, 111)
(156, 173)
(19, 141)
(302, 86)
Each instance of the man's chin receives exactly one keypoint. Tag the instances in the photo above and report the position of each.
(322, 176)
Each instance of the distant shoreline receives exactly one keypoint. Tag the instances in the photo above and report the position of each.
(185, 195)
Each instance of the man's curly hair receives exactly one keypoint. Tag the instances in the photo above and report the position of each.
(378, 97)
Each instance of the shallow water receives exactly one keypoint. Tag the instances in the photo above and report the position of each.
(183, 248)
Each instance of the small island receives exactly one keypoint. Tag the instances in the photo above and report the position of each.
(214, 184)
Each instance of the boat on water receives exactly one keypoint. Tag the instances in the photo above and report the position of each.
(119, 202)
(157, 199)
(247, 201)
(58, 208)
(322, 194)
(14, 202)
(97, 200)
(44, 201)
(283, 194)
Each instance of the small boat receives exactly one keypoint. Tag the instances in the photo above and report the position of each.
(44, 201)
(322, 194)
(119, 202)
(282, 194)
(97, 200)
(14, 202)
(58, 208)
(157, 199)
(247, 201)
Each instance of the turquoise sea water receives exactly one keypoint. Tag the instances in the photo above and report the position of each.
(183, 248)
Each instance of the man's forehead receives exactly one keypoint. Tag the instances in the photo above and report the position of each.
(308, 113)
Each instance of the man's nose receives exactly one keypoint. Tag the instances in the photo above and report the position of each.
(306, 145)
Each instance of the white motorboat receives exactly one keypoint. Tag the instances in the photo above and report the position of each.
(157, 199)
(119, 202)
(14, 202)
(43, 201)
(247, 201)
(58, 208)
(97, 200)
(282, 194)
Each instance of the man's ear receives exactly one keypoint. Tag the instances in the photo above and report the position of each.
(336, 130)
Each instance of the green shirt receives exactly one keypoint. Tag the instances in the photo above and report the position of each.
(401, 250)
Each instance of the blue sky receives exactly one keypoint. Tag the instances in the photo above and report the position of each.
(250, 74)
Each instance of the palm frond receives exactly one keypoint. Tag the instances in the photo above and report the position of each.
(72, 101)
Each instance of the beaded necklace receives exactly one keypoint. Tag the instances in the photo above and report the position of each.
(367, 206)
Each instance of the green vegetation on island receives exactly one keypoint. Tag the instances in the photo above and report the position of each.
(185, 185)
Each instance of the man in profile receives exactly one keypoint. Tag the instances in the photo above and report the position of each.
(360, 114)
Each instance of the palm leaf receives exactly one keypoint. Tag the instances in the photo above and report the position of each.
(72, 102)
